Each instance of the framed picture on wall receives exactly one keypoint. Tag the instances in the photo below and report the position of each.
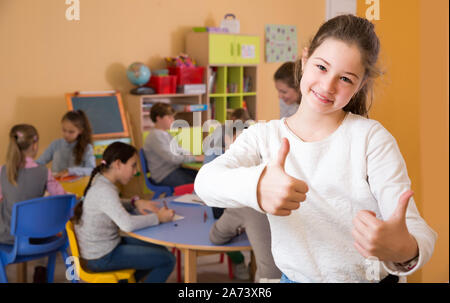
(281, 43)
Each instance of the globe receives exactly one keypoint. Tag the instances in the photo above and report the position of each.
(138, 73)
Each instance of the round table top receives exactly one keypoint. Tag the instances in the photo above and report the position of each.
(192, 232)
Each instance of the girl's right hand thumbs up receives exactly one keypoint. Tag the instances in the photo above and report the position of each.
(277, 192)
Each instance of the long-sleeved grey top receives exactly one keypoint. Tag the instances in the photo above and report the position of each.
(61, 154)
(163, 154)
(104, 215)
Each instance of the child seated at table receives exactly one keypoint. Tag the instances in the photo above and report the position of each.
(165, 158)
(22, 178)
(73, 154)
(231, 221)
(101, 215)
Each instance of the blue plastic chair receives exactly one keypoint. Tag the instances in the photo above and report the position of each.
(38, 226)
(157, 189)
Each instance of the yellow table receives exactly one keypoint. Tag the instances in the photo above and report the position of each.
(75, 187)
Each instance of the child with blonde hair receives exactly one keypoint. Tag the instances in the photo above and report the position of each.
(21, 178)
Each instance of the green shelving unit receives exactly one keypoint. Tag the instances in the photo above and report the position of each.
(234, 60)
(232, 91)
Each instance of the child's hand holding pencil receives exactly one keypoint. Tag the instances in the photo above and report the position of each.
(165, 214)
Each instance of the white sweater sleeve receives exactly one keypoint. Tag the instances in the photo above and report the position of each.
(388, 179)
(231, 180)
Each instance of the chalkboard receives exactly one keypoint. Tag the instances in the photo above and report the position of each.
(105, 112)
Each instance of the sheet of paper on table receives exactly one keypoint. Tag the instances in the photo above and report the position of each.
(177, 217)
(189, 198)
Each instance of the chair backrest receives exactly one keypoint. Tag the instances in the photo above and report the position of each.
(143, 159)
(41, 217)
(157, 189)
(183, 189)
(72, 239)
(94, 277)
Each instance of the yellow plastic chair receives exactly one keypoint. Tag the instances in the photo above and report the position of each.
(95, 277)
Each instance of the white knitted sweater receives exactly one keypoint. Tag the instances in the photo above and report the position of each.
(358, 167)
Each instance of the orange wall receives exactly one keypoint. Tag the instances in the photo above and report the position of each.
(412, 103)
(44, 56)
(434, 131)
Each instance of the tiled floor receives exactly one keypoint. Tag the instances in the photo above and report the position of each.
(209, 270)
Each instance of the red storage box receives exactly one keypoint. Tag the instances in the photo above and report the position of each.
(163, 84)
(187, 75)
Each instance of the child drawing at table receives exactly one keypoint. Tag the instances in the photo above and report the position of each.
(165, 159)
(101, 214)
(73, 154)
(332, 182)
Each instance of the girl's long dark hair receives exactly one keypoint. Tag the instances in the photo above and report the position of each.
(115, 151)
(81, 121)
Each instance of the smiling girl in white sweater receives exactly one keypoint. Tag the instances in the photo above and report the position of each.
(332, 182)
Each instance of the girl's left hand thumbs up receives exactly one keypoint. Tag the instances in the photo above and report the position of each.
(387, 240)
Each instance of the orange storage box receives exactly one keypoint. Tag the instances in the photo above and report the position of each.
(163, 84)
(187, 75)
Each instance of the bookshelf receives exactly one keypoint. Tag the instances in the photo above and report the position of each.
(231, 71)
(230, 63)
(233, 87)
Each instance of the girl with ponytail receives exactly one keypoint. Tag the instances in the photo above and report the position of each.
(100, 216)
(333, 182)
(73, 154)
(21, 178)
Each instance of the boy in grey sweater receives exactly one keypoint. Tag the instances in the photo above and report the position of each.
(164, 155)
